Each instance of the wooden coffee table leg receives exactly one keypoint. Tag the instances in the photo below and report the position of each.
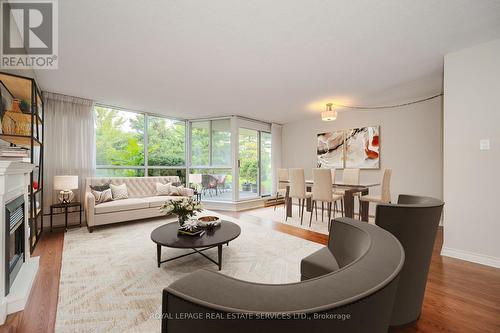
(158, 254)
(219, 254)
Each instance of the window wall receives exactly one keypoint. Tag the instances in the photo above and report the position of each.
(125, 149)
(200, 152)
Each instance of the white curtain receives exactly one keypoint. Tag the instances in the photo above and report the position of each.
(69, 142)
(276, 152)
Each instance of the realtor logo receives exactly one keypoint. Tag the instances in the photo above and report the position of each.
(29, 34)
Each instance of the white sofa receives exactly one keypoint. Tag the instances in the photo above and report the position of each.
(142, 202)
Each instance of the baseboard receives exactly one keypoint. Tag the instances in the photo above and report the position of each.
(471, 256)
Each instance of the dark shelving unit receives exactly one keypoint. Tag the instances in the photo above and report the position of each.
(25, 89)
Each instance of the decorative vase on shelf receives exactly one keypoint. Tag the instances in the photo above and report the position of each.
(25, 106)
(16, 105)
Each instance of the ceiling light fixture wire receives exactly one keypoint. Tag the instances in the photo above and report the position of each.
(386, 106)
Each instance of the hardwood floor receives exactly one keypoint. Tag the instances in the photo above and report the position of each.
(460, 296)
(39, 315)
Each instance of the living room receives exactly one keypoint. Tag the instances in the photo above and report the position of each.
(263, 166)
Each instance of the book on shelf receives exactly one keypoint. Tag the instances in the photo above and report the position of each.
(14, 152)
(16, 159)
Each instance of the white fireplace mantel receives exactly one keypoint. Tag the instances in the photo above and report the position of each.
(14, 182)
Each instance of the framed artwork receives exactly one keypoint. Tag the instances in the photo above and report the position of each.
(330, 150)
(357, 148)
(363, 148)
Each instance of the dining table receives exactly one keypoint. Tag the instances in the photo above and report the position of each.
(349, 192)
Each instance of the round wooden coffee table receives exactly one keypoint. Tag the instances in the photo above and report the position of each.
(166, 235)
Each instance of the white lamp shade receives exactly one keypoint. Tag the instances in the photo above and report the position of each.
(329, 115)
(65, 182)
(195, 178)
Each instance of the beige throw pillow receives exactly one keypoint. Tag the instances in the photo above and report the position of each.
(168, 189)
(119, 191)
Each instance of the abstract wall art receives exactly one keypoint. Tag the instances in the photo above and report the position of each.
(351, 148)
(362, 148)
(330, 150)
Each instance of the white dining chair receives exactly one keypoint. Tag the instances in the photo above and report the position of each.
(385, 194)
(281, 185)
(322, 191)
(349, 176)
(298, 190)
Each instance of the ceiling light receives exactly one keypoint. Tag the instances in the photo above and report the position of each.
(329, 114)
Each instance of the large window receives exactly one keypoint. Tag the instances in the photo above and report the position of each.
(135, 144)
(124, 149)
(211, 171)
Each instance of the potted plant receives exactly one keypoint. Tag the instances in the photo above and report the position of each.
(184, 209)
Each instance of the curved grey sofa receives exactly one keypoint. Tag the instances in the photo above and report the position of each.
(357, 297)
(414, 221)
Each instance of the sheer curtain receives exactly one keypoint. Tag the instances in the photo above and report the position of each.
(276, 147)
(69, 142)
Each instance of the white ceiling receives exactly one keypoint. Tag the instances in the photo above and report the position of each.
(276, 60)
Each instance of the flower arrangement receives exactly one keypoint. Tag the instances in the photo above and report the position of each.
(184, 208)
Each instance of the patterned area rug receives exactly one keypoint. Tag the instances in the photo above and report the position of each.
(110, 281)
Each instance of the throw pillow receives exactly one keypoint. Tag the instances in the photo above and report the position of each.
(102, 196)
(99, 188)
(167, 189)
(119, 191)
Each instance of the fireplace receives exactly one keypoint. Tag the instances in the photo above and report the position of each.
(14, 240)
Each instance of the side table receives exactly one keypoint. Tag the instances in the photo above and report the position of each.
(65, 206)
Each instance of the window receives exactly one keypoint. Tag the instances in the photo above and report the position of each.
(166, 142)
(200, 143)
(221, 142)
(211, 162)
(119, 137)
(122, 145)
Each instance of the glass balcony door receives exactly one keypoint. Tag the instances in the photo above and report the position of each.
(248, 164)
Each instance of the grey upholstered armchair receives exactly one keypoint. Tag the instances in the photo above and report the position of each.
(414, 221)
(361, 285)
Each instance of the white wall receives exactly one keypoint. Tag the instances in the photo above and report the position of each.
(410, 144)
(472, 176)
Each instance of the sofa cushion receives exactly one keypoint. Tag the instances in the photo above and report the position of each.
(121, 205)
(102, 196)
(119, 191)
(167, 189)
(137, 187)
(319, 263)
(157, 201)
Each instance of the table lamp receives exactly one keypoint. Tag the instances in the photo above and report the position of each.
(65, 184)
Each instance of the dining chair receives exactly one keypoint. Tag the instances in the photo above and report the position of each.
(385, 195)
(349, 176)
(322, 191)
(281, 186)
(298, 190)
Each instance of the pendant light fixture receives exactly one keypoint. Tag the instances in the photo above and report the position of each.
(329, 114)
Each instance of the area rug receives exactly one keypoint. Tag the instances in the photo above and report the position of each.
(110, 281)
